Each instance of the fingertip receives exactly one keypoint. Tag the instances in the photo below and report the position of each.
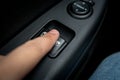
(54, 31)
(52, 35)
(45, 42)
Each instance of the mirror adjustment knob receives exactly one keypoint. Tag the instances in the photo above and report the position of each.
(80, 9)
(91, 2)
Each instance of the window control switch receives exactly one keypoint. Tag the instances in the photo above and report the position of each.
(59, 45)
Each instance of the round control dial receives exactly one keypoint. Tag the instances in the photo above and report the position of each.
(80, 9)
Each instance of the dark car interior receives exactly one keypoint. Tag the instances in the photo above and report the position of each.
(89, 32)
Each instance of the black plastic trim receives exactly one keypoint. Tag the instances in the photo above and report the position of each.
(63, 66)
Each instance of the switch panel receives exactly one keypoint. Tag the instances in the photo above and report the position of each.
(66, 35)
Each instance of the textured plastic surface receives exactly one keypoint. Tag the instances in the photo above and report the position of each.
(85, 30)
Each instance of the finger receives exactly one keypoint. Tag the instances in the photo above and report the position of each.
(24, 58)
(1, 57)
(47, 41)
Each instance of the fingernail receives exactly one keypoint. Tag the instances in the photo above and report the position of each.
(54, 31)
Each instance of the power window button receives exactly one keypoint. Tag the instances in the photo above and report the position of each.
(59, 45)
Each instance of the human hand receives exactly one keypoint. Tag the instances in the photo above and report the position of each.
(24, 58)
